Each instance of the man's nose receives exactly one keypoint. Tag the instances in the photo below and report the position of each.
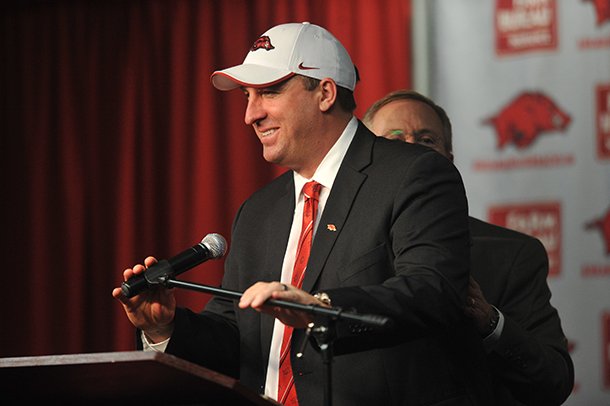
(409, 138)
(254, 110)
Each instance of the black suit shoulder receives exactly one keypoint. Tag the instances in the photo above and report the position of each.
(505, 261)
(389, 150)
(482, 229)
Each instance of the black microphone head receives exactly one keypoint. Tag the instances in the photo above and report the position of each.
(216, 244)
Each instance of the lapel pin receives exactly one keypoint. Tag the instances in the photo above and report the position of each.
(331, 227)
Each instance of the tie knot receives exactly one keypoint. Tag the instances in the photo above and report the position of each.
(311, 190)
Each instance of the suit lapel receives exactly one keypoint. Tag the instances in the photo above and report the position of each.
(278, 232)
(344, 192)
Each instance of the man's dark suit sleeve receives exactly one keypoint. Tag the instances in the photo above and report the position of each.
(532, 350)
(207, 339)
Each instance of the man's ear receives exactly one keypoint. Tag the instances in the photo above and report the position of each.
(328, 94)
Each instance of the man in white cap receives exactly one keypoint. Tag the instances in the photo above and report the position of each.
(388, 240)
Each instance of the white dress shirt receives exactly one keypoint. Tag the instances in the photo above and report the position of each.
(325, 175)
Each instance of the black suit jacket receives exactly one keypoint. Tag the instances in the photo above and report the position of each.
(531, 364)
(393, 240)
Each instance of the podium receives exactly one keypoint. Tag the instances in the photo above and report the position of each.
(135, 377)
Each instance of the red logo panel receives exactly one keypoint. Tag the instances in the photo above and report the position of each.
(606, 348)
(603, 121)
(525, 25)
(540, 220)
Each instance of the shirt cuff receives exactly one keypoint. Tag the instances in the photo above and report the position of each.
(494, 336)
(157, 347)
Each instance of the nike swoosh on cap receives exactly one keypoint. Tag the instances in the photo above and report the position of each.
(306, 67)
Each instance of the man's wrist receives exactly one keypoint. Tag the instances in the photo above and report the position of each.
(493, 322)
(160, 334)
(148, 346)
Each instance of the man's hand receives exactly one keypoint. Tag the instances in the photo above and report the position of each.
(153, 310)
(478, 308)
(256, 296)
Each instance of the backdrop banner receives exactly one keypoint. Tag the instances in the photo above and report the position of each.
(527, 87)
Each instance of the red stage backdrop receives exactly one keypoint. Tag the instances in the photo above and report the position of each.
(116, 146)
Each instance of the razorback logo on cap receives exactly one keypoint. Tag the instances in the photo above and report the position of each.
(263, 42)
(525, 118)
(602, 10)
(603, 224)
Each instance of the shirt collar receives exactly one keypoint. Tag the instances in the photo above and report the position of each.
(327, 171)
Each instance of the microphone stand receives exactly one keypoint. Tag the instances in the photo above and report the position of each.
(322, 330)
(323, 333)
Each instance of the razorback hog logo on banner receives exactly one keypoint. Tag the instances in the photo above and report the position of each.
(525, 118)
(602, 10)
(603, 225)
(263, 42)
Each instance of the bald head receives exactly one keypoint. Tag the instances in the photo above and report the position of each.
(411, 117)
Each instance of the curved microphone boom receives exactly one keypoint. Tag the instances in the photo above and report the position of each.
(211, 247)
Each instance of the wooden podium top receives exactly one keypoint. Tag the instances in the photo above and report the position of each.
(134, 376)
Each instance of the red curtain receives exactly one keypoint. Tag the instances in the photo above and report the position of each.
(115, 145)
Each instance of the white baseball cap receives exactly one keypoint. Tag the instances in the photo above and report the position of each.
(288, 49)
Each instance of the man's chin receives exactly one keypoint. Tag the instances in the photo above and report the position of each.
(271, 156)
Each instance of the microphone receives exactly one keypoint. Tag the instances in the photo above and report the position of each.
(211, 247)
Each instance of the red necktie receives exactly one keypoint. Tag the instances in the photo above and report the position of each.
(286, 390)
